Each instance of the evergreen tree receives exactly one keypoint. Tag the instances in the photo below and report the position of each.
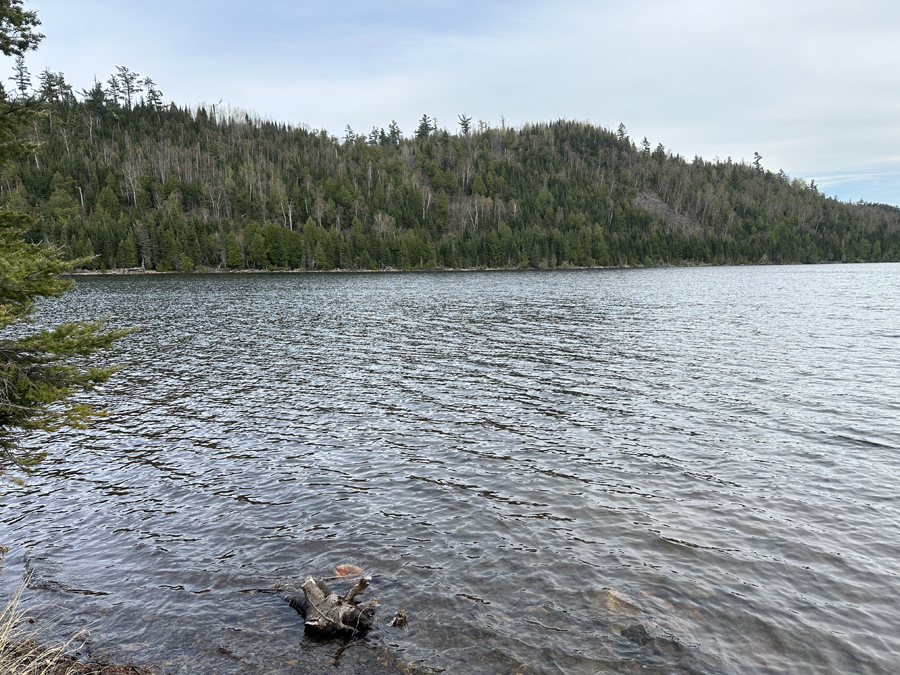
(394, 133)
(757, 161)
(154, 95)
(465, 124)
(21, 77)
(47, 85)
(130, 84)
(38, 372)
(424, 127)
(114, 93)
(94, 100)
(17, 28)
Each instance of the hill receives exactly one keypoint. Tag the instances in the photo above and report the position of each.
(139, 183)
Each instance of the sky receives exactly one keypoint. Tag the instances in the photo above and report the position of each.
(812, 86)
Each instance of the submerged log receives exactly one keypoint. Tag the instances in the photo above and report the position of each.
(400, 620)
(332, 614)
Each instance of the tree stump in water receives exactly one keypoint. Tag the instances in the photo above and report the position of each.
(332, 614)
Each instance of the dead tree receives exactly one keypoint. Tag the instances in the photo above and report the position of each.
(332, 614)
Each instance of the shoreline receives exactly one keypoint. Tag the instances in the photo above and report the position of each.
(138, 271)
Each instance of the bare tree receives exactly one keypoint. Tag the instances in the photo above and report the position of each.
(383, 223)
(319, 207)
(132, 169)
(427, 198)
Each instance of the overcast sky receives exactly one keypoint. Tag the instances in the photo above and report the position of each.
(814, 87)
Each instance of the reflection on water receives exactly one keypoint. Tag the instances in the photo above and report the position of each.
(664, 471)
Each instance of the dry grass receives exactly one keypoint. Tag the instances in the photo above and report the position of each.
(20, 652)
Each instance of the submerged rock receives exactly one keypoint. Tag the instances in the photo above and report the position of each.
(637, 634)
(658, 619)
(619, 603)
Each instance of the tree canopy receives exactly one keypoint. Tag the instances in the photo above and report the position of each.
(39, 372)
(18, 28)
(117, 174)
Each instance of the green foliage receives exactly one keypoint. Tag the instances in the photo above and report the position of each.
(39, 372)
(17, 28)
(171, 189)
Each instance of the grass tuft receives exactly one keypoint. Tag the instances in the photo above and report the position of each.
(20, 651)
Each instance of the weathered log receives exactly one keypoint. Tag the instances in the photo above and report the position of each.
(332, 614)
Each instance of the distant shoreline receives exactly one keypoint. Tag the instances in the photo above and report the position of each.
(137, 271)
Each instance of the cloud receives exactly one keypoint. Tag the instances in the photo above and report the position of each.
(812, 86)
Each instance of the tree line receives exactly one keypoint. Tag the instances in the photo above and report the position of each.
(115, 175)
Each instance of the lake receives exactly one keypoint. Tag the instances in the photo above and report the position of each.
(683, 470)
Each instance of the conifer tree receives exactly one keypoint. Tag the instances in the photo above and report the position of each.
(22, 77)
(130, 83)
(394, 133)
(154, 95)
(465, 124)
(39, 372)
(424, 127)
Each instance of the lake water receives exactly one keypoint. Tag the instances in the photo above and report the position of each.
(531, 464)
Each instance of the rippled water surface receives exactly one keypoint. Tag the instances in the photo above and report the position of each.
(656, 471)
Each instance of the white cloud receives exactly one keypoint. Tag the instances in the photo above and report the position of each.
(812, 86)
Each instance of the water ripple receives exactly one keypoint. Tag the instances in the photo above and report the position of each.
(528, 463)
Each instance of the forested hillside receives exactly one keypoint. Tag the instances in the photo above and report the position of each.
(138, 183)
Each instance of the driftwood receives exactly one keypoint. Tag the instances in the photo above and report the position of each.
(400, 620)
(332, 614)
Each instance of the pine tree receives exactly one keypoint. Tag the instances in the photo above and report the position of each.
(130, 83)
(424, 127)
(757, 161)
(39, 372)
(154, 95)
(22, 77)
(465, 124)
(394, 133)
(17, 28)
(43, 369)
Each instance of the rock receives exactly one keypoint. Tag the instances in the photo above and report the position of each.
(348, 571)
(637, 634)
(658, 603)
(399, 620)
(657, 617)
(619, 602)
